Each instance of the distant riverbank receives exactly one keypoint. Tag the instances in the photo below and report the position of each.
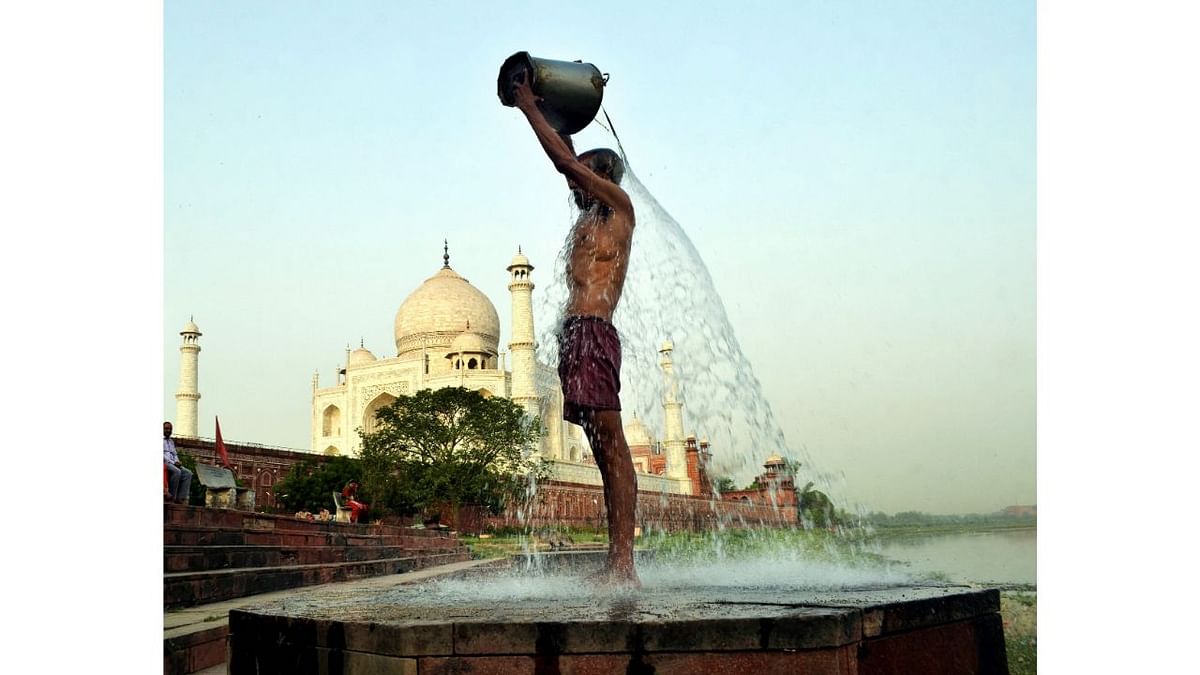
(1004, 557)
(903, 530)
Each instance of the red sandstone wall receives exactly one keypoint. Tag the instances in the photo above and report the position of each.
(783, 498)
(258, 467)
(557, 505)
(574, 505)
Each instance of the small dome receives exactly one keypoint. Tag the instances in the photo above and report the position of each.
(190, 327)
(774, 460)
(468, 342)
(361, 355)
(636, 433)
(519, 260)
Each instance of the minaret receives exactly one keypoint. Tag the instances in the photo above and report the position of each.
(521, 346)
(673, 439)
(187, 399)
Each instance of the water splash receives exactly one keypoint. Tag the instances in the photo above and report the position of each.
(669, 294)
(762, 573)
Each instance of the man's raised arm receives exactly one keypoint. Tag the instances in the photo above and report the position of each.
(563, 157)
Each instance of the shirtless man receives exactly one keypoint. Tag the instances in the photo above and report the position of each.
(589, 361)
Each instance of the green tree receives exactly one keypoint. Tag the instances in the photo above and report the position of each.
(440, 449)
(723, 484)
(310, 485)
(196, 492)
(815, 507)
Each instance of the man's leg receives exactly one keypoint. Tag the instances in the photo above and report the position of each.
(185, 485)
(607, 438)
(173, 481)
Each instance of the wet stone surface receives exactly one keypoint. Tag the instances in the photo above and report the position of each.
(509, 612)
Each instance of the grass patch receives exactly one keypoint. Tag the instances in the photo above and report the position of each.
(1018, 609)
(844, 548)
(509, 542)
(494, 547)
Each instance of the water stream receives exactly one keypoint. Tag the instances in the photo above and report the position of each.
(669, 294)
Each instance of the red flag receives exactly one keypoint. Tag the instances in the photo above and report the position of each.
(221, 446)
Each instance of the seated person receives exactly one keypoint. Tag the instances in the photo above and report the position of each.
(350, 496)
(179, 481)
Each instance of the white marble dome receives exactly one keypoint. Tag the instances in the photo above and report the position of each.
(360, 356)
(438, 311)
(468, 342)
(519, 260)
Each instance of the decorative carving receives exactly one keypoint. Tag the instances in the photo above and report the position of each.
(368, 393)
(389, 374)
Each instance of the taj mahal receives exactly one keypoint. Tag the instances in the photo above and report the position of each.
(447, 334)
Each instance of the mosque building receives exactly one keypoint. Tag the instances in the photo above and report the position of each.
(447, 334)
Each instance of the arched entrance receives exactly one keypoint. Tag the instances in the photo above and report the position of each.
(264, 488)
(380, 401)
(331, 421)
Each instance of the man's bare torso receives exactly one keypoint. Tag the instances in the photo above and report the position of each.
(597, 262)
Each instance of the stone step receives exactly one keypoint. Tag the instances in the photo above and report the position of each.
(195, 535)
(194, 639)
(205, 558)
(186, 589)
(232, 519)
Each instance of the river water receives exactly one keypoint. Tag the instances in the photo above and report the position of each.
(1001, 558)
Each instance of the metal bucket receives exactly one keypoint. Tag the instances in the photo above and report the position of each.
(571, 91)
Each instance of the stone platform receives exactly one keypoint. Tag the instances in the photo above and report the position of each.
(517, 624)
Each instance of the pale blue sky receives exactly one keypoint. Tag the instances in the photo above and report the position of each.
(859, 178)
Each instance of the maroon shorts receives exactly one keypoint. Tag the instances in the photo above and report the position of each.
(589, 366)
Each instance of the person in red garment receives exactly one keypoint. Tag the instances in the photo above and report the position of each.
(350, 494)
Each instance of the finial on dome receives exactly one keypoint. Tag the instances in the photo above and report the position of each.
(518, 248)
(468, 324)
(445, 253)
(360, 343)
